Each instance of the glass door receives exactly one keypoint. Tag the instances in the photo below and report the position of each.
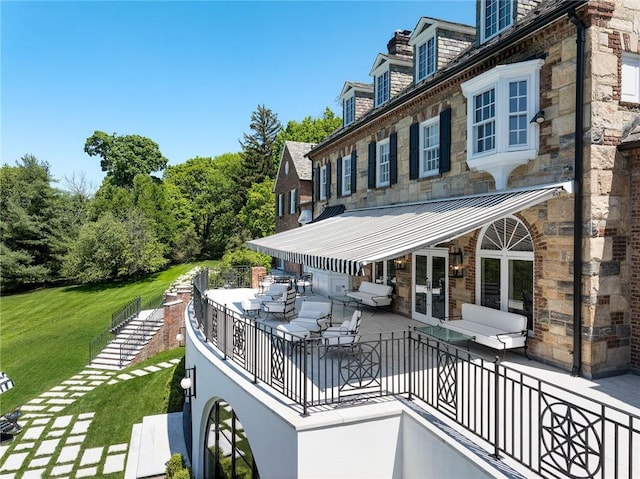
(430, 285)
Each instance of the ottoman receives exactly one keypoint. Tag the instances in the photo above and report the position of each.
(251, 306)
(293, 332)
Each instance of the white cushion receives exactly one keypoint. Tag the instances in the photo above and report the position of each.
(501, 320)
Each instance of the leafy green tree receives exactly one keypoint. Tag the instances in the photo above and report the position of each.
(211, 193)
(258, 213)
(123, 157)
(258, 147)
(309, 130)
(111, 248)
(33, 230)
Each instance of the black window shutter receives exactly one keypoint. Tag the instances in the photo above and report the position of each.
(414, 150)
(316, 184)
(295, 201)
(393, 158)
(339, 177)
(354, 170)
(328, 179)
(372, 165)
(445, 140)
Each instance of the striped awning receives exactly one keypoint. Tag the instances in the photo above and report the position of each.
(347, 242)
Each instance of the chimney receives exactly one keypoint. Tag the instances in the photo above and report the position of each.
(399, 44)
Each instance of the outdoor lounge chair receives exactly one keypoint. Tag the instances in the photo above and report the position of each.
(273, 292)
(314, 315)
(9, 424)
(304, 282)
(347, 334)
(286, 306)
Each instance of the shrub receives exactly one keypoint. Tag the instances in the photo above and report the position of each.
(246, 257)
(174, 465)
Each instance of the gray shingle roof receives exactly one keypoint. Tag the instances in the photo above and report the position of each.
(297, 150)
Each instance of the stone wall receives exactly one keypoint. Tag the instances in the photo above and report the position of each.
(285, 183)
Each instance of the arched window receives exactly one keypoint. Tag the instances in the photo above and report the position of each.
(505, 266)
(227, 453)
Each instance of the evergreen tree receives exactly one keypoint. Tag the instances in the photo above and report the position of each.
(258, 147)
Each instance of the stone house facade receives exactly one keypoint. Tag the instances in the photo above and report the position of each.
(548, 93)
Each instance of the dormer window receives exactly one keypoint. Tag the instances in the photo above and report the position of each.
(382, 88)
(348, 110)
(426, 62)
(496, 16)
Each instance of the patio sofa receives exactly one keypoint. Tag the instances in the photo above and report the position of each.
(491, 327)
(372, 294)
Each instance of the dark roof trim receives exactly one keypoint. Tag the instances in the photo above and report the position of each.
(500, 44)
(329, 212)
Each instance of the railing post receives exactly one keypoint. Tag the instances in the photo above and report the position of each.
(255, 353)
(496, 408)
(224, 332)
(304, 377)
(408, 344)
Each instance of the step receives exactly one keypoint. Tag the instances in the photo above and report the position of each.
(131, 469)
(163, 436)
(106, 367)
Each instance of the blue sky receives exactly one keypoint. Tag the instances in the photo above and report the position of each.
(185, 74)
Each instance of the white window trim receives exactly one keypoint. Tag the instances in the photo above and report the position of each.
(379, 146)
(292, 202)
(483, 21)
(424, 173)
(630, 78)
(376, 83)
(323, 182)
(280, 204)
(428, 72)
(346, 185)
(345, 100)
(504, 255)
(503, 159)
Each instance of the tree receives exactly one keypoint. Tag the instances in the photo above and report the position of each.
(258, 147)
(258, 214)
(212, 196)
(124, 157)
(33, 230)
(112, 248)
(309, 130)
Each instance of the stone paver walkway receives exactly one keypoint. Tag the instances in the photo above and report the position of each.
(51, 442)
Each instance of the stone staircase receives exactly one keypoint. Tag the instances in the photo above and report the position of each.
(135, 335)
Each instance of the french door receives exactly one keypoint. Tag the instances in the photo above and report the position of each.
(430, 289)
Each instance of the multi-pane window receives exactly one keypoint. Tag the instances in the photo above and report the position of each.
(280, 204)
(484, 121)
(518, 121)
(293, 195)
(496, 16)
(323, 182)
(429, 147)
(427, 58)
(346, 175)
(630, 81)
(382, 164)
(382, 88)
(349, 112)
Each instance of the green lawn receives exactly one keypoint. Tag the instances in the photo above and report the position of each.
(45, 334)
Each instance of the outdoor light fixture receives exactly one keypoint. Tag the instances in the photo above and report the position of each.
(188, 383)
(400, 263)
(538, 118)
(455, 263)
(180, 336)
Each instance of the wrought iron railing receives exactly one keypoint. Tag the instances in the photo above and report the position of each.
(121, 317)
(552, 431)
(100, 342)
(142, 333)
(230, 277)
